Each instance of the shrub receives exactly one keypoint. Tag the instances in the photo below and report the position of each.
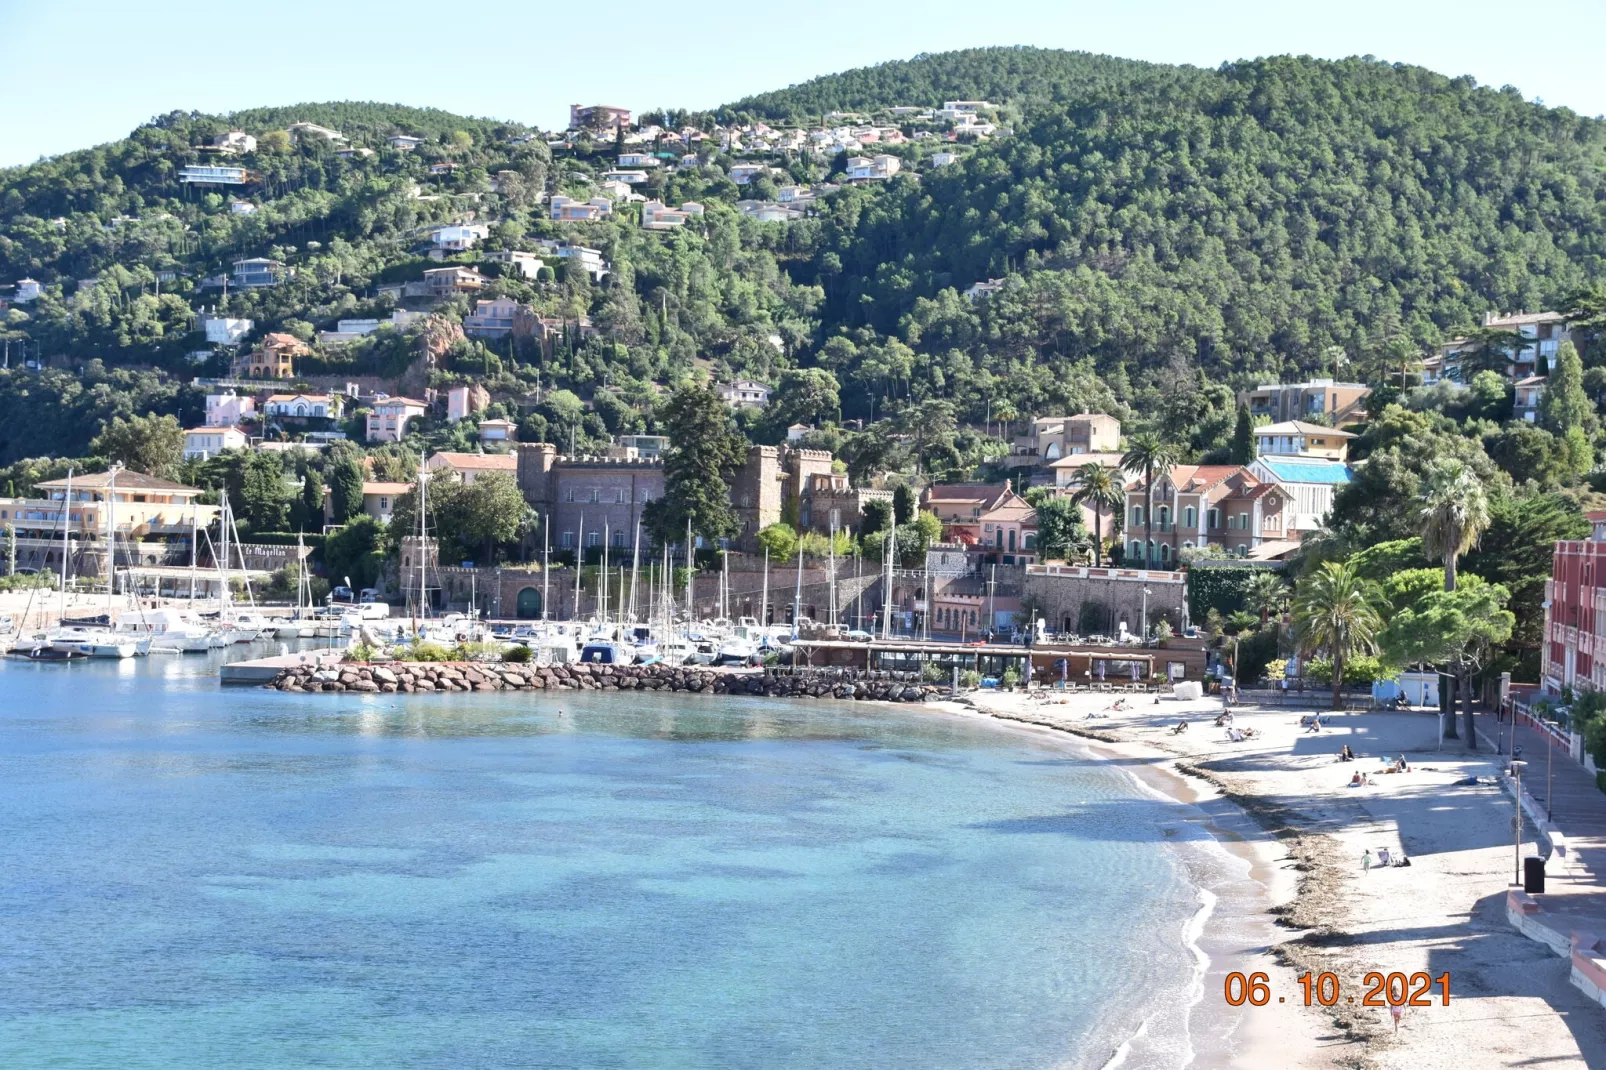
(1359, 670)
(360, 652)
(1588, 717)
(422, 651)
(1010, 679)
(517, 655)
(932, 673)
(970, 678)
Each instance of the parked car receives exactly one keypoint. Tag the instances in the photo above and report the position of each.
(342, 594)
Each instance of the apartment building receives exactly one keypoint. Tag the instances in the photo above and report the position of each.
(1338, 403)
(1218, 505)
(1575, 612)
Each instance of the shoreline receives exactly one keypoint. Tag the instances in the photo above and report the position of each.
(1221, 942)
(1282, 801)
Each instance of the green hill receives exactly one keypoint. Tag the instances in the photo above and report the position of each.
(1163, 234)
(1021, 75)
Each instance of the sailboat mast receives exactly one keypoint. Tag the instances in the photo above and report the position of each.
(546, 559)
(195, 538)
(66, 548)
(691, 570)
(831, 557)
(635, 569)
(886, 611)
(764, 602)
(602, 578)
(579, 565)
(797, 594)
(111, 536)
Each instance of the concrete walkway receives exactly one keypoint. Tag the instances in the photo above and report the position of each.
(1563, 801)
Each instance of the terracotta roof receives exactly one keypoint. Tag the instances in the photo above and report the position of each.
(126, 480)
(965, 492)
(214, 430)
(386, 488)
(1077, 460)
(485, 462)
(400, 401)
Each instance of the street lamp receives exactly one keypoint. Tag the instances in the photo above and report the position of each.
(1516, 771)
(1146, 593)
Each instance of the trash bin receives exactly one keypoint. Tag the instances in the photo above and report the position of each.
(1533, 874)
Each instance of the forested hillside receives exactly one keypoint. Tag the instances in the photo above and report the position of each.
(1025, 77)
(1164, 235)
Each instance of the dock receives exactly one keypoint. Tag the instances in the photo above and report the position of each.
(261, 670)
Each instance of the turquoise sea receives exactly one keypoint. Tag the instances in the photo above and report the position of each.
(199, 877)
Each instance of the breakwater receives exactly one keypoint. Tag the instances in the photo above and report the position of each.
(420, 677)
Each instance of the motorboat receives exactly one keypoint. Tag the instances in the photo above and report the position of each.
(96, 642)
(734, 651)
(46, 652)
(602, 652)
(676, 651)
(169, 631)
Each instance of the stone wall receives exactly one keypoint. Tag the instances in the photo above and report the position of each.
(1094, 601)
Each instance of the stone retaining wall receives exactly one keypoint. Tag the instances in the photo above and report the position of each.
(416, 677)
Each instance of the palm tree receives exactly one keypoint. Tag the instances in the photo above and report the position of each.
(1097, 486)
(1454, 513)
(1265, 594)
(1336, 608)
(1147, 453)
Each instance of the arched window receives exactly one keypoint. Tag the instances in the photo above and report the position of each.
(1137, 514)
(1188, 545)
(1190, 518)
(1162, 517)
(1165, 553)
(1135, 552)
(1053, 452)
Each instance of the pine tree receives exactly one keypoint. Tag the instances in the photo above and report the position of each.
(1564, 405)
(1243, 437)
(699, 467)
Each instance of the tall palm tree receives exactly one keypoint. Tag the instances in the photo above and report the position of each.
(1148, 453)
(1454, 513)
(1265, 594)
(1098, 486)
(1336, 608)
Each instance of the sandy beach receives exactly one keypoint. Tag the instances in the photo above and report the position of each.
(1282, 802)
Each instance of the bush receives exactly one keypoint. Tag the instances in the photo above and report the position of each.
(1010, 679)
(422, 651)
(517, 655)
(360, 652)
(1359, 670)
(1588, 717)
(970, 678)
(932, 673)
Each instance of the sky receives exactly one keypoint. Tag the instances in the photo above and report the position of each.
(75, 73)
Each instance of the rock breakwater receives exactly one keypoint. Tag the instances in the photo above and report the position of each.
(419, 677)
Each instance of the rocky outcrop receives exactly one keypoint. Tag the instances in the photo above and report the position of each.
(415, 677)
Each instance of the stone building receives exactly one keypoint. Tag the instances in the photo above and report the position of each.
(1078, 600)
(587, 499)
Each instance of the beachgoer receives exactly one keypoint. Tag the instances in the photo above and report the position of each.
(1383, 856)
(1355, 781)
(1346, 755)
(1182, 726)
(1366, 861)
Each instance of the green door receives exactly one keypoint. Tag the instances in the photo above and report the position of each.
(529, 603)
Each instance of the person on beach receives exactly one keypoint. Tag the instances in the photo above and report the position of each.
(1366, 860)
(1315, 723)
(1346, 755)
(1355, 781)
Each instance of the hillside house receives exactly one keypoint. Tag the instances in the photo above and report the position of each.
(1220, 505)
(1296, 438)
(873, 168)
(273, 358)
(464, 401)
(515, 262)
(203, 442)
(1335, 402)
(1529, 391)
(493, 319)
(446, 281)
(228, 409)
(226, 331)
(458, 237)
(258, 272)
(467, 467)
(744, 394)
(391, 416)
(234, 142)
(302, 406)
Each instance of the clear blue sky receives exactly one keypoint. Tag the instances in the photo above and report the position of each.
(75, 73)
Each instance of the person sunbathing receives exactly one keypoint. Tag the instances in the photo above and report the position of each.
(1346, 755)
(1182, 726)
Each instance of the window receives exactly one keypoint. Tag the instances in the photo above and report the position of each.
(1188, 545)
(568, 540)
(1012, 546)
(593, 539)
(596, 495)
(618, 540)
(1243, 550)
(1031, 541)
(568, 494)
(1135, 551)
(619, 496)
(1190, 518)
(1162, 518)
(384, 504)
(1137, 514)
(1213, 518)
(1165, 553)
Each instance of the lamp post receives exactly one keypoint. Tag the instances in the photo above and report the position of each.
(1516, 771)
(1146, 593)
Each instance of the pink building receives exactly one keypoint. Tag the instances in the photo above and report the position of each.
(228, 408)
(1575, 612)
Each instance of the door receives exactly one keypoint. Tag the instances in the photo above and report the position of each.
(529, 604)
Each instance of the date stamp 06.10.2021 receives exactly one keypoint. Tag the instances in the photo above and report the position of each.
(1323, 989)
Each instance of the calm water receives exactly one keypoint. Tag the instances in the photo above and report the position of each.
(192, 877)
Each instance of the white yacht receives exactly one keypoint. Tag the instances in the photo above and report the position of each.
(97, 642)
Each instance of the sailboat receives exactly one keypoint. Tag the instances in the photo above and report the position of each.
(301, 624)
(70, 640)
